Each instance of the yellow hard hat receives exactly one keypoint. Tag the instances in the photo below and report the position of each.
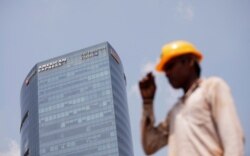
(174, 49)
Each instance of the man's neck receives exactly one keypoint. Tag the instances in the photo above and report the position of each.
(192, 79)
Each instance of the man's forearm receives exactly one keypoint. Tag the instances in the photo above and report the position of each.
(153, 138)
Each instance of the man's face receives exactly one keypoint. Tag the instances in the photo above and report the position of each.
(177, 71)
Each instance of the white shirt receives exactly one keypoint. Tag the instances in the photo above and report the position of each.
(202, 123)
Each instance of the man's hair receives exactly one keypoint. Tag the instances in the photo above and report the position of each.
(197, 68)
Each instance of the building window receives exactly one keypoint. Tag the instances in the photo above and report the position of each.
(28, 79)
(24, 119)
(27, 152)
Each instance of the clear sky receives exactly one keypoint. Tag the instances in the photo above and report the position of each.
(35, 30)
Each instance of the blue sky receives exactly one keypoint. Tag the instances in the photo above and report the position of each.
(32, 31)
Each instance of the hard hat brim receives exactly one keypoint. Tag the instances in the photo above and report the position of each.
(163, 61)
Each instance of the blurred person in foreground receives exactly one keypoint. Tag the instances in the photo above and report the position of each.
(203, 122)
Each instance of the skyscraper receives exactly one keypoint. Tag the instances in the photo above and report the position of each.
(76, 105)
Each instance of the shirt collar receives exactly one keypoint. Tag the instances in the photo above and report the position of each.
(193, 87)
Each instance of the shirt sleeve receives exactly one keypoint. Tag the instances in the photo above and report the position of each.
(226, 119)
(153, 138)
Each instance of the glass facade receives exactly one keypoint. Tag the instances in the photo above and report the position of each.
(75, 105)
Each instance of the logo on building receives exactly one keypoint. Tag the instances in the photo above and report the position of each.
(52, 65)
(92, 53)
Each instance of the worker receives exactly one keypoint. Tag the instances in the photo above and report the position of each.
(203, 122)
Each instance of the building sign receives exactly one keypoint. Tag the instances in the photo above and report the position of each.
(92, 53)
(52, 65)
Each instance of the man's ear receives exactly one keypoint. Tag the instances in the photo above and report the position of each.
(191, 62)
